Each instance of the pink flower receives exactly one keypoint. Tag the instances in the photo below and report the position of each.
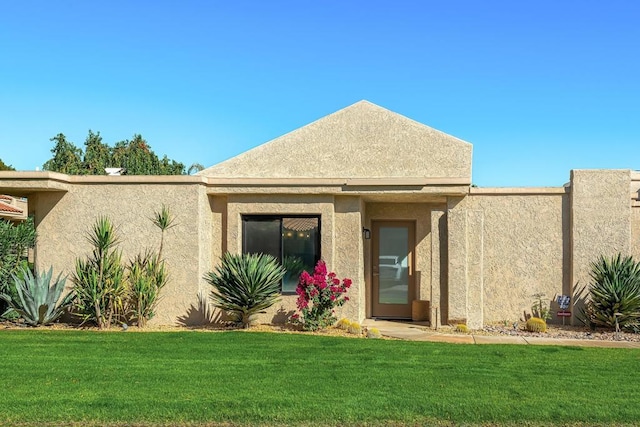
(347, 282)
(335, 281)
(321, 268)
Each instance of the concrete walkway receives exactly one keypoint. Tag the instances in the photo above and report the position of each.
(417, 332)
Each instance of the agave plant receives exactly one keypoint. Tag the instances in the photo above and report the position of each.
(245, 284)
(38, 302)
(614, 293)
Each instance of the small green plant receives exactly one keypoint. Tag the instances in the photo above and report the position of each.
(245, 285)
(614, 293)
(462, 328)
(539, 308)
(343, 324)
(38, 302)
(355, 328)
(373, 333)
(536, 324)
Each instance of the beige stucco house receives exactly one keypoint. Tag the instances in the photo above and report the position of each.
(384, 200)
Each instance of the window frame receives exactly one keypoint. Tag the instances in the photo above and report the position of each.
(271, 217)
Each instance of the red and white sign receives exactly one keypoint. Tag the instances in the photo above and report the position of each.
(563, 314)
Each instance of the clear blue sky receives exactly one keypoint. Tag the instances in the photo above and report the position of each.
(537, 87)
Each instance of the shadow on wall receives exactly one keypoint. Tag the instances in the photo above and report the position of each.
(282, 316)
(200, 314)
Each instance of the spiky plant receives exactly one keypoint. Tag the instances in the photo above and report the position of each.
(99, 279)
(614, 292)
(245, 284)
(147, 276)
(38, 301)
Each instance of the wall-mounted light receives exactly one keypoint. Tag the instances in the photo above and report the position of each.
(366, 233)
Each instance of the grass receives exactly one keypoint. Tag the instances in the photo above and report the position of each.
(63, 377)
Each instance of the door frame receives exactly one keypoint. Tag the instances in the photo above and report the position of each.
(398, 311)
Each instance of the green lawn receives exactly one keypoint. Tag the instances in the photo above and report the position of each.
(245, 378)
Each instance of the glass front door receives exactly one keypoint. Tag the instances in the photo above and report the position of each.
(393, 288)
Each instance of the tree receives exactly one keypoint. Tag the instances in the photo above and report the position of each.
(97, 155)
(5, 167)
(67, 158)
(135, 156)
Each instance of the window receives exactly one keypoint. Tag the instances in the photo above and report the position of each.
(293, 240)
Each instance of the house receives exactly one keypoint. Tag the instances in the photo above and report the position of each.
(12, 209)
(384, 200)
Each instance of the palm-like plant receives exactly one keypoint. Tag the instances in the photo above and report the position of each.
(37, 301)
(147, 276)
(245, 284)
(614, 293)
(99, 279)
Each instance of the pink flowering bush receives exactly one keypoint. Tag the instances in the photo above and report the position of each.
(318, 296)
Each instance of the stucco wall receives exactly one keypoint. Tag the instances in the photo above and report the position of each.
(635, 233)
(601, 217)
(63, 221)
(513, 246)
(362, 140)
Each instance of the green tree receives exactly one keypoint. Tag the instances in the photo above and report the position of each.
(67, 158)
(5, 167)
(135, 156)
(97, 155)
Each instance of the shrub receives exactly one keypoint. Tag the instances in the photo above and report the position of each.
(99, 279)
(38, 302)
(15, 240)
(355, 328)
(614, 292)
(245, 284)
(536, 324)
(147, 275)
(373, 333)
(319, 295)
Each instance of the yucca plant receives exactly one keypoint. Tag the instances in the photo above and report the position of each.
(99, 279)
(147, 276)
(37, 301)
(614, 293)
(245, 284)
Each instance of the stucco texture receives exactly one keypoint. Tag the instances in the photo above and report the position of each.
(635, 233)
(64, 219)
(601, 217)
(502, 250)
(363, 141)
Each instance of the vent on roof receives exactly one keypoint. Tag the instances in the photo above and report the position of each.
(115, 171)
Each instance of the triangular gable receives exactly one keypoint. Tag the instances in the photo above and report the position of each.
(360, 141)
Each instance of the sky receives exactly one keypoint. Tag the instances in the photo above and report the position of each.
(538, 87)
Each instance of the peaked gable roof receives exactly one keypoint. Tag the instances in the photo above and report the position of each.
(359, 141)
